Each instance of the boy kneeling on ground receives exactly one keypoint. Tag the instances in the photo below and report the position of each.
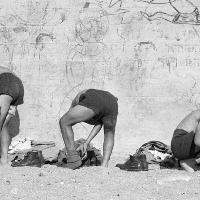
(185, 142)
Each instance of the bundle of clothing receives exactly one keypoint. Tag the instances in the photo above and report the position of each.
(152, 152)
(41, 153)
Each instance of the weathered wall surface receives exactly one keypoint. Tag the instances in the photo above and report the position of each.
(144, 52)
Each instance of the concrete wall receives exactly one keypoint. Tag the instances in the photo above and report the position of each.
(141, 51)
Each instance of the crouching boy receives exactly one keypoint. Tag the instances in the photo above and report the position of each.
(95, 107)
(11, 95)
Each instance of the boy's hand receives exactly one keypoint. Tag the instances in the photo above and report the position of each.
(83, 149)
(12, 110)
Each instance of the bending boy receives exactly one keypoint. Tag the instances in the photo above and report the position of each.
(95, 107)
(185, 142)
(11, 95)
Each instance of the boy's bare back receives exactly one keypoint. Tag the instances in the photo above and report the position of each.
(190, 122)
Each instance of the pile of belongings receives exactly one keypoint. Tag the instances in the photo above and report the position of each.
(152, 152)
(27, 152)
(20, 144)
(94, 157)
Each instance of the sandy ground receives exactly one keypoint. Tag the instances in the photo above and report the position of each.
(51, 182)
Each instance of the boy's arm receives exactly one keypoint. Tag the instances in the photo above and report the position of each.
(93, 133)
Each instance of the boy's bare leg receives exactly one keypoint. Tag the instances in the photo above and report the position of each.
(5, 141)
(74, 115)
(189, 165)
(107, 147)
(5, 101)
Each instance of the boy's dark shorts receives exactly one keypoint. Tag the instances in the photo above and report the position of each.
(103, 103)
(11, 85)
(183, 146)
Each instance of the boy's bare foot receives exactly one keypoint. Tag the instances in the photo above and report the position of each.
(104, 164)
(190, 165)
